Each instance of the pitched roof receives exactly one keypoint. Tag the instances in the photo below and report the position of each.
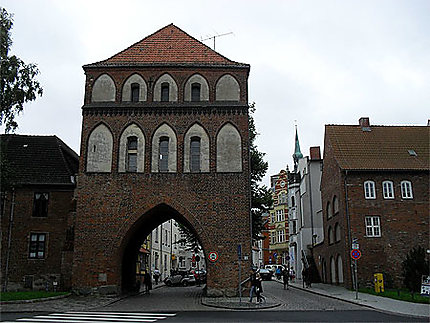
(169, 45)
(38, 159)
(381, 148)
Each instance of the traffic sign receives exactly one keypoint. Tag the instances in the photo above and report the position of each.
(355, 254)
(197, 258)
(275, 255)
(213, 256)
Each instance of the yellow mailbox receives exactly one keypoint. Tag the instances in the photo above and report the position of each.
(379, 282)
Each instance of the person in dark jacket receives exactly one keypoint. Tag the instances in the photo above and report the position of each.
(147, 280)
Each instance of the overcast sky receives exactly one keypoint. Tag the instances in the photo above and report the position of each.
(312, 62)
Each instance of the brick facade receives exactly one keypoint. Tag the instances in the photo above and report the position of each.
(403, 223)
(116, 211)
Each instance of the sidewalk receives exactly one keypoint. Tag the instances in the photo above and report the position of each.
(373, 301)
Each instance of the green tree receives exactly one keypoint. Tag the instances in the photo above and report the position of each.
(189, 238)
(414, 267)
(18, 84)
(261, 196)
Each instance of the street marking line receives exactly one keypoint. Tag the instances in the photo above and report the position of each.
(53, 318)
(108, 316)
(30, 320)
(125, 313)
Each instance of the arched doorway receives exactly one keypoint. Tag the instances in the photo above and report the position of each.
(332, 271)
(340, 269)
(135, 236)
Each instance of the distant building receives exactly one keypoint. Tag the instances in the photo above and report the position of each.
(304, 207)
(375, 192)
(278, 220)
(37, 212)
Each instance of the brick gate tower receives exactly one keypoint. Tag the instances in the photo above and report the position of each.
(164, 135)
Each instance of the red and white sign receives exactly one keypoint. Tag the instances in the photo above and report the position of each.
(213, 256)
(355, 254)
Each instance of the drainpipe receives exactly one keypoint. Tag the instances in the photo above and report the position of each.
(348, 224)
(311, 208)
(9, 240)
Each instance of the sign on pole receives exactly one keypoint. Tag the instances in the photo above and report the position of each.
(213, 256)
(355, 254)
(239, 251)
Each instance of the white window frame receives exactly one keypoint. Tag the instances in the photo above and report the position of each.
(369, 190)
(388, 189)
(280, 215)
(373, 226)
(406, 188)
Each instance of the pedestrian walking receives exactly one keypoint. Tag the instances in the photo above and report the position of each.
(285, 278)
(147, 280)
(156, 275)
(259, 289)
(292, 274)
(278, 273)
(253, 280)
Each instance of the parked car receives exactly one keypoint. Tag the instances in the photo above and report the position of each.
(180, 279)
(266, 274)
(199, 274)
(272, 268)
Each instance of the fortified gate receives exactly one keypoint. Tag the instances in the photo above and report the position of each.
(164, 135)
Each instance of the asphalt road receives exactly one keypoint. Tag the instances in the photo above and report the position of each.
(183, 304)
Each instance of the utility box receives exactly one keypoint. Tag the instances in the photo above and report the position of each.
(379, 282)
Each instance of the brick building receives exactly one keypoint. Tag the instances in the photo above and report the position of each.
(375, 188)
(164, 136)
(37, 212)
(278, 220)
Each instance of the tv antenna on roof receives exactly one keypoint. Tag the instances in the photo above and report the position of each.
(217, 35)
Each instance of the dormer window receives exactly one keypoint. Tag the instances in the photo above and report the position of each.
(165, 92)
(135, 92)
(195, 92)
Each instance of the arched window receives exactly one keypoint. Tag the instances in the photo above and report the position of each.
(340, 269)
(229, 149)
(330, 235)
(195, 92)
(332, 270)
(335, 205)
(388, 189)
(135, 87)
(99, 150)
(329, 212)
(164, 150)
(227, 89)
(196, 150)
(369, 190)
(165, 92)
(104, 89)
(336, 232)
(406, 188)
(195, 155)
(163, 164)
(132, 154)
(282, 198)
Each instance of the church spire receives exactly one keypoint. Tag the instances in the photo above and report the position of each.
(297, 153)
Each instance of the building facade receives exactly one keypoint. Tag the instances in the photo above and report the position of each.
(164, 136)
(304, 210)
(37, 212)
(375, 192)
(278, 220)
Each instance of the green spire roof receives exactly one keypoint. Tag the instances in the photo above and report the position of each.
(297, 153)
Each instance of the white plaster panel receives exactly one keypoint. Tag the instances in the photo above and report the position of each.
(227, 89)
(99, 150)
(197, 131)
(229, 149)
(103, 89)
(204, 88)
(132, 131)
(173, 88)
(164, 131)
(126, 90)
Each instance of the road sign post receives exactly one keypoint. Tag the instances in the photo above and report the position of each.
(355, 254)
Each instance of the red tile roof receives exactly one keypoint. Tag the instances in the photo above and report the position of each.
(381, 148)
(169, 45)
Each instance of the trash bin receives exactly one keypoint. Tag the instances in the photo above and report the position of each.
(379, 282)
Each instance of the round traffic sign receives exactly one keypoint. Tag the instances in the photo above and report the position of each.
(355, 254)
(213, 256)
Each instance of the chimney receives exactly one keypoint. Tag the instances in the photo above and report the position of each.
(315, 153)
(364, 123)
